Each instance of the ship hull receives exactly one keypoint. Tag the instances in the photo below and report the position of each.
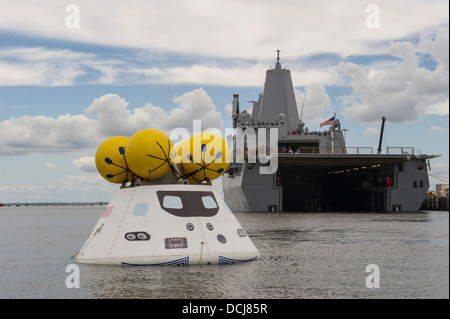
(330, 182)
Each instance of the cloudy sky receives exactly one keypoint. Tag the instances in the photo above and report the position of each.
(75, 73)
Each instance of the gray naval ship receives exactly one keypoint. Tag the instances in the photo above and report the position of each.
(314, 170)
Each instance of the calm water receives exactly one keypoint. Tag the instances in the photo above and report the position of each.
(302, 256)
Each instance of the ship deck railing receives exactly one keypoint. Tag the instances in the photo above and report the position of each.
(404, 150)
(358, 150)
(328, 150)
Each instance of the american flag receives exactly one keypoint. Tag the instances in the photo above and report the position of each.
(328, 122)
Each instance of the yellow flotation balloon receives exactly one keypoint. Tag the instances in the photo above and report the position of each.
(204, 156)
(148, 153)
(110, 160)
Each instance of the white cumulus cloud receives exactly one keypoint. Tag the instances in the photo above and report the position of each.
(434, 128)
(49, 67)
(370, 131)
(316, 103)
(440, 108)
(64, 133)
(404, 93)
(51, 165)
(436, 42)
(232, 28)
(107, 116)
(85, 163)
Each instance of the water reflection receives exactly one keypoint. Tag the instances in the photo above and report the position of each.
(169, 282)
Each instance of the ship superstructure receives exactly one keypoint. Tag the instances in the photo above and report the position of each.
(315, 170)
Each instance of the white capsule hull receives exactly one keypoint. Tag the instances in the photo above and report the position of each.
(174, 224)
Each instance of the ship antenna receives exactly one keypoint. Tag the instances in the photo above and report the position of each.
(304, 97)
(278, 56)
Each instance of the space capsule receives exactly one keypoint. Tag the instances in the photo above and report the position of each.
(169, 214)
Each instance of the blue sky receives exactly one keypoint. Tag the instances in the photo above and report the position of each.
(135, 64)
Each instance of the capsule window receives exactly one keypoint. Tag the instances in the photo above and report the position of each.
(209, 202)
(188, 203)
(140, 209)
(172, 202)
